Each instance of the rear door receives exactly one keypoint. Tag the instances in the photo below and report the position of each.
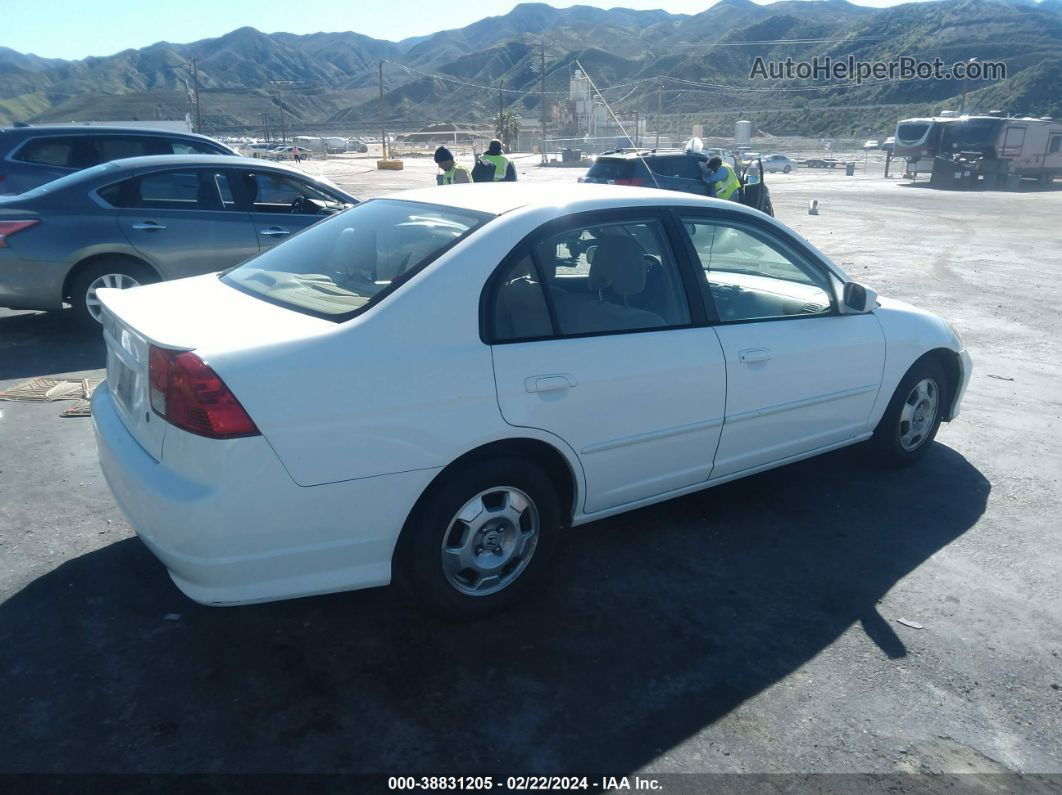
(184, 221)
(595, 341)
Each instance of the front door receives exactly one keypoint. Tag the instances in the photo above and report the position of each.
(277, 203)
(180, 222)
(800, 376)
(594, 342)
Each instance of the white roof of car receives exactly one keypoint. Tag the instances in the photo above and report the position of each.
(502, 197)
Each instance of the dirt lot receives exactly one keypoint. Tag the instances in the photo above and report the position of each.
(750, 628)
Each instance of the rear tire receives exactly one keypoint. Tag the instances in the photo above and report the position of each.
(480, 538)
(112, 272)
(911, 421)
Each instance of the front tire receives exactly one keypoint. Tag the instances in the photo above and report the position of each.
(787, 169)
(911, 421)
(481, 537)
(114, 273)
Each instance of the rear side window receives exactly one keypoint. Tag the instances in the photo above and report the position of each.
(611, 170)
(168, 190)
(520, 310)
(67, 151)
(117, 147)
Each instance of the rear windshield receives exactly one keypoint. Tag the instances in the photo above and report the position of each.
(605, 169)
(340, 266)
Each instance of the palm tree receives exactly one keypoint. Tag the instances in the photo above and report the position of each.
(507, 127)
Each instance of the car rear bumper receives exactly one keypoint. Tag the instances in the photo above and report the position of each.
(232, 527)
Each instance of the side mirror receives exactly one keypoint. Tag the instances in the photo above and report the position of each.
(858, 298)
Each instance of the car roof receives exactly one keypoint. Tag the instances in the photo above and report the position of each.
(503, 197)
(81, 129)
(228, 161)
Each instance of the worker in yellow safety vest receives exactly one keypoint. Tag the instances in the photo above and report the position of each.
(723, 182)
(504, 170)
(453, 174)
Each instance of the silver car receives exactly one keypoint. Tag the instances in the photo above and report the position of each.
(146, 219)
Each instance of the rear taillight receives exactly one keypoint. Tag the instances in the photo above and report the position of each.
(8, 228)
(630, 181)
(186, 392)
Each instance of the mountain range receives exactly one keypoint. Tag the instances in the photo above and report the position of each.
(679, 69)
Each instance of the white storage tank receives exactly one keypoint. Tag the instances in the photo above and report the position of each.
(742, 133)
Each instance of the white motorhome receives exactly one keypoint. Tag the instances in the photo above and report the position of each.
(1031, 147)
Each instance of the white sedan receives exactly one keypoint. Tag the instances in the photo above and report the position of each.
(429, 387)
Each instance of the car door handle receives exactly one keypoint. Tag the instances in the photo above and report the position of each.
(750, 355)
(549, 383)
(274, 231)
(149, 226)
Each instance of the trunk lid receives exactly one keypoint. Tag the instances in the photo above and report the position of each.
(201, 314)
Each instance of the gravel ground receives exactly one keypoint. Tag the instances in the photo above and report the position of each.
(750, 628)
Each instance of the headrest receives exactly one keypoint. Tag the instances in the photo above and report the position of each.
(619, 263)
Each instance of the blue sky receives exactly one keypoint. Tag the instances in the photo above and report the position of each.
(76, 28)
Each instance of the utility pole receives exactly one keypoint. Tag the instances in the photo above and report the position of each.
(501, 108)
(659, 108)
(265, 125)
(195, 82)
(542, 99)
(383, 118)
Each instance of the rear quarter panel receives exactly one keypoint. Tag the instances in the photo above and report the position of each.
(408, 385)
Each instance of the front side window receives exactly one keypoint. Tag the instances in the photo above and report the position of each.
(271, 192)
(749, 277)
(1055, 145)
(343, 264)
(610, 277)
(181, 147)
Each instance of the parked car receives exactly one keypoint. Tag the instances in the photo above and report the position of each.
(871, 144)
(431, 386)
(777, 162)
(666, 169)
(284, 152)
(31, 156)
(146, 219)
(889, 145)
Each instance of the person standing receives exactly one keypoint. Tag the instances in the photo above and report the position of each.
(453, 174)
(295, 154)
(504, 170)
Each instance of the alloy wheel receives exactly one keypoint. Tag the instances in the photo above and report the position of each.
(120, 281)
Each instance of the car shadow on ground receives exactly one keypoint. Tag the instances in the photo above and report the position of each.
(656, 624)
(47, 343)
